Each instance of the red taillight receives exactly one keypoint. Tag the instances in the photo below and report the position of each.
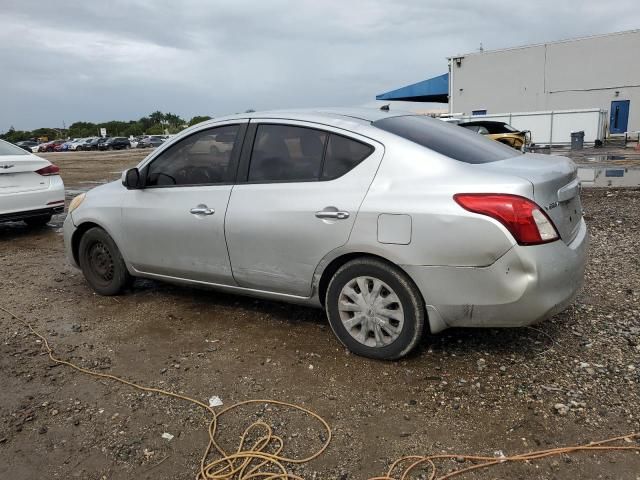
(524, 219)
(49, 170)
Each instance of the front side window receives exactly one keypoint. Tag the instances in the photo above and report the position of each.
(203, 158)
(476, 128)
(284, 153)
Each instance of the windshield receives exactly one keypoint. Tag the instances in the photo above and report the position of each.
(7, 148)
(450, 140)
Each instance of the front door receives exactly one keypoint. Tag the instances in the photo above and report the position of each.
(303, 187)
(619, 118)
(175, 225)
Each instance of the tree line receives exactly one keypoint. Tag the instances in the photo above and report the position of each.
(156, 123)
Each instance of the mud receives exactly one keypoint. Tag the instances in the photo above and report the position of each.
(463, 391)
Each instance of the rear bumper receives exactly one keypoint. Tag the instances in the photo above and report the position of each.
(20, 205)
(525, 286)
(15, 216)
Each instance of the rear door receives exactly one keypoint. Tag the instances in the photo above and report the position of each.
(175, 225)
(304, 184)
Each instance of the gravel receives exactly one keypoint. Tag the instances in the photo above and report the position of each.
(574, 378)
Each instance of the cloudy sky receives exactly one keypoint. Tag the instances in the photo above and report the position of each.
(65, 61)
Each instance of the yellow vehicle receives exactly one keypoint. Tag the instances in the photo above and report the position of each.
(500, 132)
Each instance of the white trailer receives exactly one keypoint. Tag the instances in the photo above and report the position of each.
(552, 127)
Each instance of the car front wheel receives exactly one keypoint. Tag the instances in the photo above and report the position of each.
(375, 309)
(102, 263)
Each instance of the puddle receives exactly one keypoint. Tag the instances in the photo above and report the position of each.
(72, 192)
(609, 176)
(613, 158)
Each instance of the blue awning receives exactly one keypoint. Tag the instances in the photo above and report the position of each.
(435, 89)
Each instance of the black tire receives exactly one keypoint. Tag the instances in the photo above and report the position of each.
(410, 300)
(39, 221)
(102, 264)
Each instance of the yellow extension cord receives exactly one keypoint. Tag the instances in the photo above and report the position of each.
(263, 459)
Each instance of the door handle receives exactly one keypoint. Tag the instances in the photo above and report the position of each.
(339, 215)
(202, 210)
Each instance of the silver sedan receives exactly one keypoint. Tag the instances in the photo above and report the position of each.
(393, 223)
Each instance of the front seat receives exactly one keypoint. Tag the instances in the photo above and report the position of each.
(270, 160)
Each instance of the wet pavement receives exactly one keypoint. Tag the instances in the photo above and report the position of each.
(605, 167)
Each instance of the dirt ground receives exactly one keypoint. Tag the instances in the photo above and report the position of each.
(464, 391)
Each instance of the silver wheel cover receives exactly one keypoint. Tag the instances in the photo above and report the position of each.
(371, 311)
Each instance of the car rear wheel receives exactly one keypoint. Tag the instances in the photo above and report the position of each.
(102, 263)
(39, 221)
(375, 309)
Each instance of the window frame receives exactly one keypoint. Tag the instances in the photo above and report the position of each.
(233, 161)
(250, 138)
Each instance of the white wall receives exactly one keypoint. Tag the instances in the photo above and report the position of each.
(573, 74)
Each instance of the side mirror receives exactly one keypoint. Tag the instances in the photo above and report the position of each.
(132, 179)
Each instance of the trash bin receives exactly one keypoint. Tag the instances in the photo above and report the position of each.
(577, 140)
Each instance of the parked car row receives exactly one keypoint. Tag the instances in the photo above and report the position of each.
(150, 141)
(92, 143)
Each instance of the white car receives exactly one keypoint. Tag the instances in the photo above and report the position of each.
(30, 187)
(73, 145)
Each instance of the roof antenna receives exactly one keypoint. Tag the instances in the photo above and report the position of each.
(481, 48)
(385, 108)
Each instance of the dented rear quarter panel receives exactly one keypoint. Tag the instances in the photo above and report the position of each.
(421, 184)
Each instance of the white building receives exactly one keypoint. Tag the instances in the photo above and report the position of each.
(601, 71)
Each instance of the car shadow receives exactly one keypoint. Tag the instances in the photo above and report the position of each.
(524, 341)
(203, 296)
(14, 230)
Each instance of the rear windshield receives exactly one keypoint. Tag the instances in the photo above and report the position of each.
(7, 148)
(450, 140)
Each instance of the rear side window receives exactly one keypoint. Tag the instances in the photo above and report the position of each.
(7, 148)
(342, 155)
(450, 140)
(284, 153)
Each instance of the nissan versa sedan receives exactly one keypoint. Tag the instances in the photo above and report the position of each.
(30, 187)
(394, 223)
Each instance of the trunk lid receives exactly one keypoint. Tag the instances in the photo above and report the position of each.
(17, 173)
(556, 187)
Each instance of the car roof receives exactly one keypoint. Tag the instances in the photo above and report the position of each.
(329, 115)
